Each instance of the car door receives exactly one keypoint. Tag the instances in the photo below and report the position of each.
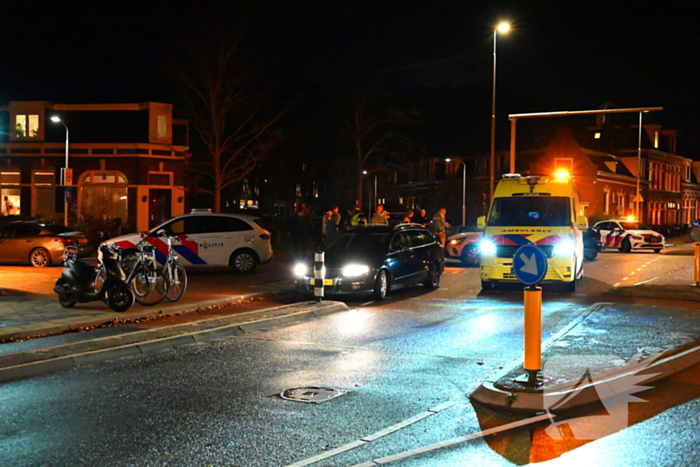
(399, 258)
(25, 237)
(6, 233)
(605, 230)
(193, 233)
(233, 233)
(420, 256)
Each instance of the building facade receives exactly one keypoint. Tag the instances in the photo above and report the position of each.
(127, 162)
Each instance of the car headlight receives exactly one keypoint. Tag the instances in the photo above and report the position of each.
(637, 237)
(353, 270)
(457, 241)
(487, 247)
(300, 270)
(563, 248)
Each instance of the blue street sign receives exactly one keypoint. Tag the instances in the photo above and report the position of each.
(69, 194)
(530, 264)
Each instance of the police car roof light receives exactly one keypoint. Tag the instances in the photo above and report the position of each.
(200, 210)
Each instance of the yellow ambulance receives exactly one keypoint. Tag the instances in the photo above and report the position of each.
(536, 209)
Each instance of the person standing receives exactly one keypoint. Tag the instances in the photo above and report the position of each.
(300, 227)
(332, 224)
(408, 218)
(440, 226)
(422, 218)
(379, 218)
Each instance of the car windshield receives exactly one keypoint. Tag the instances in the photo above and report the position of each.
(530, 211)
(634, 226)
(361, 242)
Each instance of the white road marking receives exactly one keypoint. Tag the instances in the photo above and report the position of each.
(453, 441)
(373, 437)
(367, 303)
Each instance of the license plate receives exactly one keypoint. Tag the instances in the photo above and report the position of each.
(325, 281)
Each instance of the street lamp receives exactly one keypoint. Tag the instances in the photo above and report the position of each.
(638, 199)
(464, 191)
(503, 28)
(56, 119)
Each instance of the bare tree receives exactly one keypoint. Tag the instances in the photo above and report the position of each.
(376, 139)
(227, 109)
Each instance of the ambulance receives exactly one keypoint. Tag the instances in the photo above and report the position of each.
(539, 210)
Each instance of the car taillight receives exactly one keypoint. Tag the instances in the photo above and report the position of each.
(265, 236)
(65, 241)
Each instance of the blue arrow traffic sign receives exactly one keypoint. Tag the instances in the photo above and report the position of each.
(530, 264)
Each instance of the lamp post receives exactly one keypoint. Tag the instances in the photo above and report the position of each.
(56, 119)
(464, 191)
(502, 27)
(638, 199)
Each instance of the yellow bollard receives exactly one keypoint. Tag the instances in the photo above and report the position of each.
(696, 250)
(533, 330)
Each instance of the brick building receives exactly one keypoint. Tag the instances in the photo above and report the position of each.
(127, 161)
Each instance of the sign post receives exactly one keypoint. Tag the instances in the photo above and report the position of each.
(695, 236)
(530, 267)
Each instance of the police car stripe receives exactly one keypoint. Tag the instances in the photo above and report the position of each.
(189, 255)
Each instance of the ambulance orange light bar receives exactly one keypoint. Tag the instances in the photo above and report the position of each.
(631, 218)
(561, 175)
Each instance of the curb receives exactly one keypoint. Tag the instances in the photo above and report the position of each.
(306, 311)
(529, 401)
(48, 327)
(534, 401)
(642, 293)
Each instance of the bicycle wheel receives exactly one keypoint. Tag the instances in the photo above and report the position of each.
(176, 277)
(149, 286)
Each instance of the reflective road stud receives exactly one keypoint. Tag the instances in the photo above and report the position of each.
(533, 333)
(318, 275)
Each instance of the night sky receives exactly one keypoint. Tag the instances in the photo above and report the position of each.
(559, 56)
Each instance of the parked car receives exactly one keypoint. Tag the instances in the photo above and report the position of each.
(627, 235)
(39, 244)
(207, 239)
(375, 260)
(464, 246)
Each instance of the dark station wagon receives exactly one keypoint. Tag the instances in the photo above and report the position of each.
(377, 259)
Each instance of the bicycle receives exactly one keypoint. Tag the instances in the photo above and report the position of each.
(146, 281)
(174, 273)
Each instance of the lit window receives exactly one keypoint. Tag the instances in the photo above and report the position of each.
(596, 135)
(26, 126)
(161, 129)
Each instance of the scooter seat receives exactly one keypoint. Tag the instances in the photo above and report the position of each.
(82, 269)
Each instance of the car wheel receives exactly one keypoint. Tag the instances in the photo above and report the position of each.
(657, 250)
(626, 246)
(381, 286)
(432, 281)
(244, 261)
(470, 256)
(40, 258)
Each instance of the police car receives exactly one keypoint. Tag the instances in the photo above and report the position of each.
(208, 239)
(465, 247)
(626, 235)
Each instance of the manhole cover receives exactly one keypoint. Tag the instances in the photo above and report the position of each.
(312, 395)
